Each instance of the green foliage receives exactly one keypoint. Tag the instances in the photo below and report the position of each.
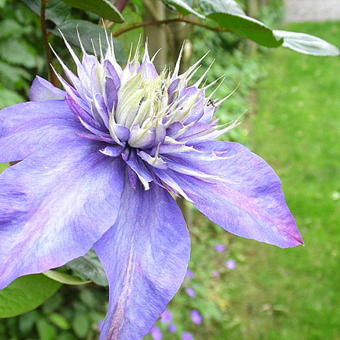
(64, 278)
(46, 331)
(89, 34)
(19, 53)
(8, 97)
(229, 15)
(72, 314)
(60, 14)
(88, 267)
(183, 6)
(56, 10)
(81, 324)
(306, 43)
(103, 8)
(26, 293)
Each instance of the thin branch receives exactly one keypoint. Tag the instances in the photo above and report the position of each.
(167, 21)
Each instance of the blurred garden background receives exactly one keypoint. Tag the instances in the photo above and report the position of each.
(289, 108)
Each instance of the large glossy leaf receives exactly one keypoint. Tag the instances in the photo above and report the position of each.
(25, 294)
(89, 34)
(65, 278)
(308, 44)
(228, 14)
(89, 267)
(56, 10)
(183, 6)
(104, 8)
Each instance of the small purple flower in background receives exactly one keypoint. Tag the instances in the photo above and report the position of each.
(231, 264)
(156, 333)
(216, 274)
(220, 248)
(166, 316)
(190, 275)
(172, 328)
(190, 291)
(187, 336)
(196, 317)
(100, 164)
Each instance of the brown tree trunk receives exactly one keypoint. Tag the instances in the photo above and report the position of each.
(156, 35)
(253, 11)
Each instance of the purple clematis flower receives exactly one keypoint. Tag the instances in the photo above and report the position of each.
(191, 292)
(100, 165)
(190, 275)
(216, 273)
(172, 328)
(156, 333)
(220, 248)
(166, 316)
(231, 264)
(187, 336)
(196, 317)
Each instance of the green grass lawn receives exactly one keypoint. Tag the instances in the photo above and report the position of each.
(294, 294)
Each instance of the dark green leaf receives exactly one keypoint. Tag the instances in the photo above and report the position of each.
(52, 304)
(56, 10)
(88, 267)
(228, 14)
(89, 34)
(59, 320)
(46, 330)
(88, 298)
(308, 44)
(10, 28)
(65, 278)
(18, 52)
(27, 321)
(183, 6)
(221, 6)
(11, 75)
(66, 336)
(26, 293)
(8, 98)
(81, 324)
(104, 8)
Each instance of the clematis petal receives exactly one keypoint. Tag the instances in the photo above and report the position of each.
(42, 89)
(31, 126)
(54, 206)
(145, 255)
(139, 167)
(248, 201)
